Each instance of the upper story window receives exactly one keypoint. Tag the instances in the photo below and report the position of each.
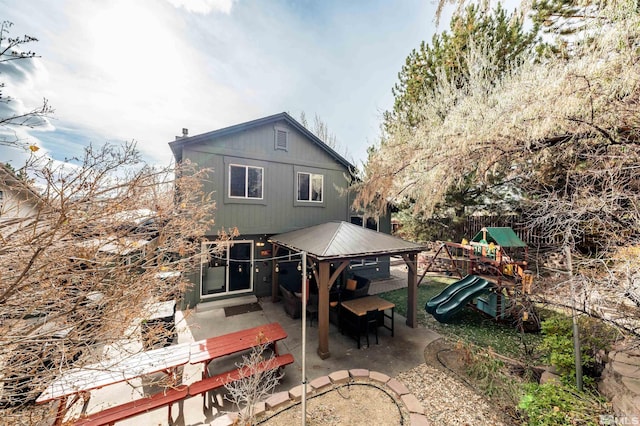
(310, 186)
(369, 223)
(281, 139)
(365, 222)
(245, 181)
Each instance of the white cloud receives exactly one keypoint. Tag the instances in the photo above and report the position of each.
(129, 72)
(204, 7)
(143, 70)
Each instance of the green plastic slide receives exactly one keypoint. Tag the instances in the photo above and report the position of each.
(445, 294)
(453, 298)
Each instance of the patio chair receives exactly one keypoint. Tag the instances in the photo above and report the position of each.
(372, 321)
(292, 303)
(355, 287)
(312, 308)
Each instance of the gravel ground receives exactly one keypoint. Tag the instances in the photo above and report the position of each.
(446, 401)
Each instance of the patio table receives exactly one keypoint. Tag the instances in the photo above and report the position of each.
(361, 305)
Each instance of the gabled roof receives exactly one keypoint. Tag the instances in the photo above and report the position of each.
(9, 180)
(177, 145)
(502, 236)
(343, 240)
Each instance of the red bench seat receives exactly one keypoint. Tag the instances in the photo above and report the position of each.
(134, 408)
(220, 380)
(171, 396)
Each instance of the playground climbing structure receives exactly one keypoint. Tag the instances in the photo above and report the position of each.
(494, 279)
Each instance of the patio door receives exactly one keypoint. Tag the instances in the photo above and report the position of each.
(226, 268)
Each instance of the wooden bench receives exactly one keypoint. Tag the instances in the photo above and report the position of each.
(220, 380)
(203, 351)
(134, 408)
(171, 396)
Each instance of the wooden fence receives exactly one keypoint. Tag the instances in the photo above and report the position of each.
(471, 225)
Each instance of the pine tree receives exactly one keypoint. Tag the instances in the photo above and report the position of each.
(441, 58)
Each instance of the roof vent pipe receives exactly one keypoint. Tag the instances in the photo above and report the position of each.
(185, 134)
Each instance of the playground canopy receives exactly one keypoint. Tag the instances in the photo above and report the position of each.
(502, 236)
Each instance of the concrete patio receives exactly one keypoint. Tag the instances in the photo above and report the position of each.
(391, 356)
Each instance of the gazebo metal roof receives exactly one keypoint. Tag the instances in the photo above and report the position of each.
(343, 240)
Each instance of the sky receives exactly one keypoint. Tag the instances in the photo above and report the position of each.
(124, 70)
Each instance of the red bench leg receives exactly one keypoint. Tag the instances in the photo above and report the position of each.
(62, 410)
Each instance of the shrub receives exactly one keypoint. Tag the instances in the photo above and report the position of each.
(491, 376)
(557, 343)
(552, 404)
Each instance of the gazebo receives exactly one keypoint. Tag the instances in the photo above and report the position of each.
(340, 243)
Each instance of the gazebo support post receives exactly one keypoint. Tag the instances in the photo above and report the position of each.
(323, 310)
(325, 280)
(412, 290)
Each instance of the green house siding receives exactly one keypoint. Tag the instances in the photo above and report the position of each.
(278, 210)
(191, 296)
(261, 144)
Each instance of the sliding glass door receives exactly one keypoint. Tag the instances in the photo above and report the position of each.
(226, 268)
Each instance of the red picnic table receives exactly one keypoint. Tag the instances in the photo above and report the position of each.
(80, 381)
(207, 350)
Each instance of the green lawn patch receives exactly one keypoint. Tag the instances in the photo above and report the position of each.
(468, 325)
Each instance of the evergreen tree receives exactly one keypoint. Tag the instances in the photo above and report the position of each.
(442, 58)
(457, 60)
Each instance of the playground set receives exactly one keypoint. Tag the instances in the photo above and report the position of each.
(494, 279)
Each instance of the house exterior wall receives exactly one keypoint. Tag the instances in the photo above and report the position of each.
(382, 268)
(278, 211)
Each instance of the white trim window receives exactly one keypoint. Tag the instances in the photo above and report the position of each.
(246, 181)
(369, 223)
(366, 222)
(310, 187)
